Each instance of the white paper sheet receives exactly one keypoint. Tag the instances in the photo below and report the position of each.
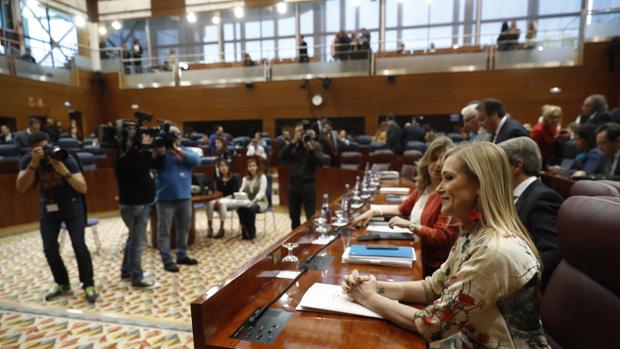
(330, 298)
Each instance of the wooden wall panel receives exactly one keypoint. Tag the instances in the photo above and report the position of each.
(523, 92)
(21, 98)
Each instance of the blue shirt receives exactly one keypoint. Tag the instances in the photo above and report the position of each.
(173, 180)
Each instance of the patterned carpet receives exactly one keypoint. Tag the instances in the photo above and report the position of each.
(123, 317)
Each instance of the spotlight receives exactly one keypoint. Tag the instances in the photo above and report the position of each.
(391, 78)
(304, 84)
(116, 25)
(216, 19)
(248, 84)
(239, 13)
(135, 106)
(79, 21)
(67, 104)
(555, 90)
(191, 17)
(102, 30)
(326, 83)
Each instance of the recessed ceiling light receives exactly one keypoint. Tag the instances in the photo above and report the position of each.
(116, 25)
(79, 21)
(282, 7)
(555, 90)
(239, 12)
(102, 30)
(191, 17)
(216, 19)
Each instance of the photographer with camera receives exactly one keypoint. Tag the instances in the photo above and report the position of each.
(173, 196)
(136, 192)
(303, 156)
(62, 188)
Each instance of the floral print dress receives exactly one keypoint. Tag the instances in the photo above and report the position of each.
(483, 296)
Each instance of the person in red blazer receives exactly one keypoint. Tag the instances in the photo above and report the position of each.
(544, 133)
(423, 209)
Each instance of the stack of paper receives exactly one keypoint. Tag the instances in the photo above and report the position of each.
(394, 190)
(331, 299)
(394, 256)
(389, 174)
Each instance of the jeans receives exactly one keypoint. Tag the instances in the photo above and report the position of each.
(298, 193)
(135, 218)
(247, 218)
(181, 212)
(73, 216)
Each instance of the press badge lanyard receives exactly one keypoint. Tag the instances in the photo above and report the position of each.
(179, 159)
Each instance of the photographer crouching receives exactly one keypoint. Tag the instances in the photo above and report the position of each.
(62, 189)
(173, 196)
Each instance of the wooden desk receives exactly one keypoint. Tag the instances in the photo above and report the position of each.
(192, 228)
(218, 313)
(558, 183)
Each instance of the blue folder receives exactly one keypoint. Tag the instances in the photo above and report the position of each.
(404, 252)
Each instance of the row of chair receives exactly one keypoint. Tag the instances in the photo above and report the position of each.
(383, 160)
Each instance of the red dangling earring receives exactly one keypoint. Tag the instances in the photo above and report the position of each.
(473, 216)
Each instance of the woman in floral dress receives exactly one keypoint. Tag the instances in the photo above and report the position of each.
(484, 295)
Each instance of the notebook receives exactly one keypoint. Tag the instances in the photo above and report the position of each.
(394, 190)
(381, 251)
(384, 261)
(389, 174)
(331, 299)
(383, 227)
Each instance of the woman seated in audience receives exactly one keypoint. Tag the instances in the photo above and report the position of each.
(381, 134)
(484, 295)
(422, 208)
(588, 157)
(227, 183)
(256, 149)
(255, 186)
(544, 133)
(221, 150)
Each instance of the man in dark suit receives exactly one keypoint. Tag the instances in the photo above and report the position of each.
(608, 142)
(537, 204)
(319, 124)
(21, 137)
(491, 115)
(413, 132)
(394, 135)
(594, 111)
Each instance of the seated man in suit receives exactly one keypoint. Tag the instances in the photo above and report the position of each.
(537, 204)
(594, 111)
(413, 132)
(491, 115)
(608, 141)
(21, 137)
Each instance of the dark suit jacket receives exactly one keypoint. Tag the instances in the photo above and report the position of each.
(21, 141)
(510, 129)
(413, 133)
(538, 209)
(394, 135)
(599, 118)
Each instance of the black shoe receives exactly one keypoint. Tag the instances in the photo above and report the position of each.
(187, 261)
(58, 291)
(171, 267)
(125, 276)
(146, 284)
(90, 294)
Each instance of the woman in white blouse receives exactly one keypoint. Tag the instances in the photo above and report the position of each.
(484, 295)
(256, 149)
(254, 184)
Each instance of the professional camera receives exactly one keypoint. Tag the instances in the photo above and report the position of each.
(55, 152)
(307, 138)
(124, 134)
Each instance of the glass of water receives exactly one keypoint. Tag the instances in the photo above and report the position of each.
(290, 257)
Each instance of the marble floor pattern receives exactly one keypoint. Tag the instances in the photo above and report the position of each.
(123, 317)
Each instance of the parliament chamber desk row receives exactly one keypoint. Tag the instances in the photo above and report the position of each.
(221, 310)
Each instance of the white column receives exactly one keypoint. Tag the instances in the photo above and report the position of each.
(93, 40)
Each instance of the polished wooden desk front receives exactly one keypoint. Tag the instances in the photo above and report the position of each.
(560, 184)
(218, 313)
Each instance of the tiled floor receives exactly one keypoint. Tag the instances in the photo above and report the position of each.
(123, 317)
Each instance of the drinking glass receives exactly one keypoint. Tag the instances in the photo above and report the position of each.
(290, 257)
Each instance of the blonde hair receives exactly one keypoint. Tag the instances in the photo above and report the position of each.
(487, 164)
(549, 110)
(441, 144)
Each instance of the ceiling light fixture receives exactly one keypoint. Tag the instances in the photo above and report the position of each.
(282, 7)
(79, 21)
(239, 12)
(216, 19)
(102, 30)
(116, 25)
(191, 17)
